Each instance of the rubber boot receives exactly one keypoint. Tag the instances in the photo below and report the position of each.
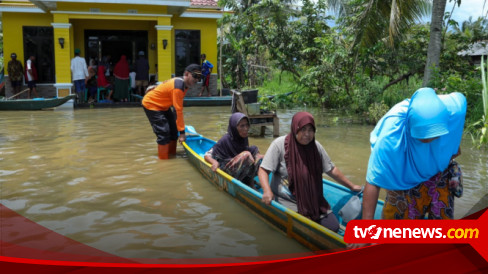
(172, 147)
(163, 151)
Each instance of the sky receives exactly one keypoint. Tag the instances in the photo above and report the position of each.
(468, 8)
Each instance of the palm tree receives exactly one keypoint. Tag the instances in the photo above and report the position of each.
(473, 31)
(376, 18)
(382, 19)
(435, 42)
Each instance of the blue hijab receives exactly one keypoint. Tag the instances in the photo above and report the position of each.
(399, 160)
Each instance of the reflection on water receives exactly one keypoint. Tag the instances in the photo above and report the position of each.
(93, 175)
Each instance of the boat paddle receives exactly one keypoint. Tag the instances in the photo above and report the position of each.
(17, 94)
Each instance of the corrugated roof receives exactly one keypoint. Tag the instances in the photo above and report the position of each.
(476, 49)
(204, 3)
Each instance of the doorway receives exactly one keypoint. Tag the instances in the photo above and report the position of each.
(38, 42)
(187, 49)
(101, 43)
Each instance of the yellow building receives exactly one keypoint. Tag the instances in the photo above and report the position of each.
(172, 34)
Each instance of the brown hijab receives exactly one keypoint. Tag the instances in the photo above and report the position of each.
(304, 166)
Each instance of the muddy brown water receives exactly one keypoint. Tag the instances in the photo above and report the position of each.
(93, 176)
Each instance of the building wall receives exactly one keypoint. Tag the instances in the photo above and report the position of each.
(208, 36)
(12, 24)
(13, 34)
(119, 8)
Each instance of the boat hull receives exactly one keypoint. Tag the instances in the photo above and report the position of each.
(294, 225)
(34, 104)
(207, 101)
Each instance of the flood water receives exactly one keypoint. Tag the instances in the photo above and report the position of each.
(93, 175)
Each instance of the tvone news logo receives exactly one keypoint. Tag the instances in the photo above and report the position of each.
(470, 231)
(375, 232)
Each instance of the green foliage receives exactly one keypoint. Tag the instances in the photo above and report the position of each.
(373, 58)
(389, 20)
(279, 86)
(331, 75)
(376, 111)
(471, 31)
(480, 127)
(267, 103)
(257, 32)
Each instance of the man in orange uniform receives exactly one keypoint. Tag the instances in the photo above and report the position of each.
(157, 104)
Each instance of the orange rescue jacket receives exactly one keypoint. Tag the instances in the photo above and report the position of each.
(167, 94)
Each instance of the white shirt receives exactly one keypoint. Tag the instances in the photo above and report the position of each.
(79, 68)
(30, 77)
(132, 76)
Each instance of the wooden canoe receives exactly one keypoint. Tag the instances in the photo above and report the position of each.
(210, 101)
(34, 104)
(207, 101)
(294, 225)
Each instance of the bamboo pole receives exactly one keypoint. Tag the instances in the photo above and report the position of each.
(17, 94)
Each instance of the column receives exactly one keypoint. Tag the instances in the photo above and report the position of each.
(62, 58)
(165, 48)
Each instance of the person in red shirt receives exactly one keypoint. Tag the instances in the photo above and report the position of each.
(157, 104)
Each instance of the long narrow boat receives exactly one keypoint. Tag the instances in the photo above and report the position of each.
(34, 104)
(210, 101)
(294, 225)
(207, 101)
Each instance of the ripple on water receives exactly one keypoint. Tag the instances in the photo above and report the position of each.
(132, 216)
(85, 196)
(47, 209)
(10, 172)
(76, 181)
(17, 204)
(77, 224)
(126, 202)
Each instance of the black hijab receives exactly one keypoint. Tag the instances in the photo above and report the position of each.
(231, 144)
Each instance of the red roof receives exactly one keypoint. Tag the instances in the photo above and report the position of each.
(204, 3)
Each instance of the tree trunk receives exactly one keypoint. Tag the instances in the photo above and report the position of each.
(435, 42)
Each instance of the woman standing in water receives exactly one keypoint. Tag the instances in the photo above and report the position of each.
(412, 157)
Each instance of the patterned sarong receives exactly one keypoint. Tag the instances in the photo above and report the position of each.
(433, 199)
(243, 167)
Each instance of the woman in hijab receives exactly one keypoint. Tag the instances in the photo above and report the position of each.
(232, 152)
(103, 83)
(298, 162)
(121, 84)
(412, 152)
(91, 84)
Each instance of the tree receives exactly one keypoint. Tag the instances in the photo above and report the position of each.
(271, 32)
(377, 20)
(435, 42)
(472, 31)
(254, 30)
